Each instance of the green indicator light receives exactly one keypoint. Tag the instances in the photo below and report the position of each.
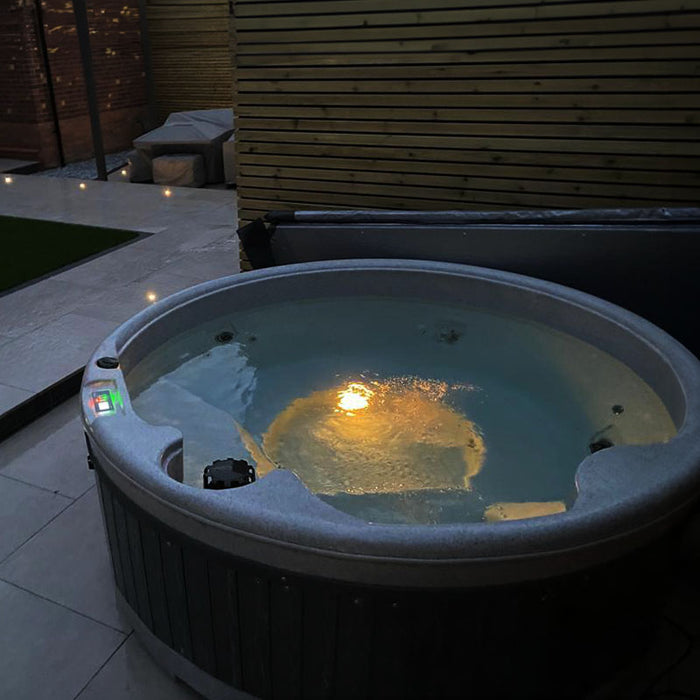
(116, 398)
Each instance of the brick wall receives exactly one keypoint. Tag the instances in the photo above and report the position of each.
(22, 82)
(26, 122)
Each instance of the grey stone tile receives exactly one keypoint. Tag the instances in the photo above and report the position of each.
(68, 563)
(115, 307)
(186, 236)
(38, 359)
(32, 307)
(216, 259)
(11, 396)
(131, 298)
(24, 510)
(50, 453)
(162, 283)
(47, 650)
(9, 164)
(131, 674)
(111, 204)
(49, 423)
(117, 268)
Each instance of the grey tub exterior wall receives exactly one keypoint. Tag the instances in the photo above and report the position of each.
(232, 628)
(627, 495)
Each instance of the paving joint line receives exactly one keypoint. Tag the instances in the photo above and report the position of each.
(46, 524)
(65, 607)
(107, 660)
(53, 492)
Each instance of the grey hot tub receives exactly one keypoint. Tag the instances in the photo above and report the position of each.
(269, 590)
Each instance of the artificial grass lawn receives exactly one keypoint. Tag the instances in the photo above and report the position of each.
(30, 248)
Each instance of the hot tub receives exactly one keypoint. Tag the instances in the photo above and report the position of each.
(465, 479)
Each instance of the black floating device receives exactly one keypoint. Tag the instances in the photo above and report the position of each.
(228, 474)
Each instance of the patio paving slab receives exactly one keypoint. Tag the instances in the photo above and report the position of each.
(39, 359)
(48, 651)
(116, 309)
(68, 561)
(11, 396)
(24, 510)
(10, 165)
(131, 675)
(50, 328)
(52, 456)
(32, 307)
(116, 269)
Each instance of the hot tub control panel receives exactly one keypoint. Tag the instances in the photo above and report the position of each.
(103, 398)
(102, 402)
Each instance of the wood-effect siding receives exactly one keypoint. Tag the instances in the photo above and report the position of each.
(496, 104)
(191, 55)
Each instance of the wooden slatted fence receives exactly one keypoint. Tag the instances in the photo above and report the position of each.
(191, 54)
(491, 104)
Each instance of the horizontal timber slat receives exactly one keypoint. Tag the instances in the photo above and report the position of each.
(586, 25)
(491, 15)
(463, 128)
(544, 69)
(494, 100)
(423, 189)
(470, 58)
(352, 199)
(188, 24)
(486, 105)
(644, 161)
(396, 168)
(478, 85)
(254, 8)
(207, 40)
(465, 143)
(255, 174)
(337, 50)
(467, 116)
(165, 12)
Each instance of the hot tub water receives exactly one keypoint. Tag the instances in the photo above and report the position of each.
(464, 408)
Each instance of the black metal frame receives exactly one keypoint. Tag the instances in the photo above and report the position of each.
(41, 37)
(83, 30)
(644, 260)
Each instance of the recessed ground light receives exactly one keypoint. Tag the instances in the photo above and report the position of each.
(8, 180)
(82, 185)
(151, 296)
(167, 192)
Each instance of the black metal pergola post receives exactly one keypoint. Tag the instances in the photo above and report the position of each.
(83, 31)
(41, 38)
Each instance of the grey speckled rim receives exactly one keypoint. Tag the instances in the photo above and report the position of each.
(626, 495)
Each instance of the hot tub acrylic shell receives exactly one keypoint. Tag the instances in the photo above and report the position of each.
(266, 590)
